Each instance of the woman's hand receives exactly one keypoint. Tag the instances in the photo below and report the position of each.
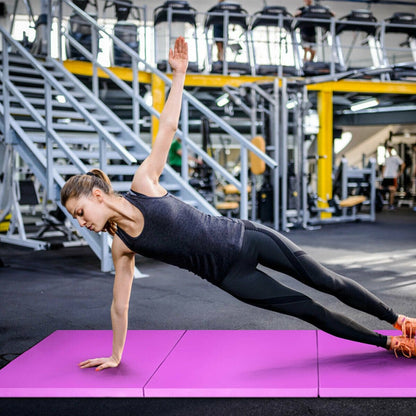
(178, 58)
(100, 363)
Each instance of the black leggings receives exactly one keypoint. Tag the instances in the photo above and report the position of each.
(265, 246)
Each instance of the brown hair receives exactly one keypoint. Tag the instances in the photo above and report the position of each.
(82, 185)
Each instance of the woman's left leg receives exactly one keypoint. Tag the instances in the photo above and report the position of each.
(277, 252)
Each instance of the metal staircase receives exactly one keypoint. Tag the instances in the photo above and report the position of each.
(59, 127)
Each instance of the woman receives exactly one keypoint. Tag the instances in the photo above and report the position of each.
(150, 221)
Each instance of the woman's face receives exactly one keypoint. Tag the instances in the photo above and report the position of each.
(89, 211)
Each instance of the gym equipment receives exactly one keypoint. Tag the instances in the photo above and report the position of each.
(80, 29)
(318, 18)
(226, 23)
(358, 22)
(353, 189)
(396, 50)
(273, 42)
(125, 30)
(250, 363)
(175, 18)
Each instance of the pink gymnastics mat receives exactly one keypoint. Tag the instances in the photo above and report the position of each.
(181, 363)
(352, 369)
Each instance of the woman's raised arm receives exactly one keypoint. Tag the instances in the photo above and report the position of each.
(146, 179)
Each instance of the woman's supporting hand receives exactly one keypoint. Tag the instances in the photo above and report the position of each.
(100, 363)
(178, 58)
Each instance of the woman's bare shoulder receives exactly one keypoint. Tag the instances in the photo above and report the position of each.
(119, 249)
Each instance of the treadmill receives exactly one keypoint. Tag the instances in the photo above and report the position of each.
(404, 61)
(317, 18)
(274, 51)
(235, 39)
(359, 22)
(172, 19)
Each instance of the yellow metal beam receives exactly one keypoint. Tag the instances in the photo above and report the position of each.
(192, 80)
(158, 96)
(375, 87)
(217, 80)
(325, 139)
(85, 69)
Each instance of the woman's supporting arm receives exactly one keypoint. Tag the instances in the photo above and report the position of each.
(124, 265)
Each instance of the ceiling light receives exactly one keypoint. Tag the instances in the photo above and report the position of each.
(362, 105)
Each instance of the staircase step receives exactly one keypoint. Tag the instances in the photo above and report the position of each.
(36, 81)
(92, 154)
(86, 154)
(55, 104)
(83, 140)
(30, 71)
(41, 91)
(18, 59)
(81, 127)
(56, 114)
(109, 169)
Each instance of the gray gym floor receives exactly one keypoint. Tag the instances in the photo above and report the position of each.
(64, 289)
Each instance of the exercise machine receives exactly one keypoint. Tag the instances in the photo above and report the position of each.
(274, 51)
(125, 29)
(226, 27)
(172, 19)
(80, 30)
(361, 25)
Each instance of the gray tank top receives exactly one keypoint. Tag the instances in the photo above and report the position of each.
(179, 234)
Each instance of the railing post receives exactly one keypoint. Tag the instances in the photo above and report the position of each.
(6, 95)
(106, 260)
(59, 31)
(185, 138)
(49, 140)
(94, 47)
(372, 176)
(275, 142)
(136, 92)
(333, 47)
(283, 155)
(304, 161)
(244, 183)
(103, 152)
(49, 30)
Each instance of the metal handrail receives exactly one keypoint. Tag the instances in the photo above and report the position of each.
(50, 80)
(37, 116)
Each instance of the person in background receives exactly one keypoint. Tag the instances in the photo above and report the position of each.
(391, 173)
(175, 156)
(307, 33)
(219, 38)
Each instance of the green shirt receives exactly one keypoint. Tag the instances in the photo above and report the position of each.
(174, 159)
